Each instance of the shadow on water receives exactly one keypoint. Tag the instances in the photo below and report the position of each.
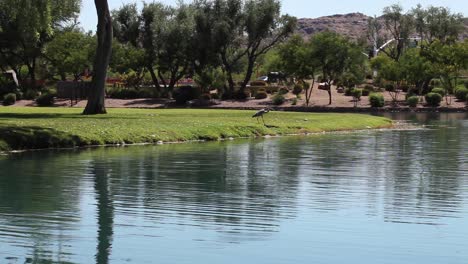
(140, 198)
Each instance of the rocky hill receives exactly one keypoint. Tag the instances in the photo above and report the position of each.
(353, 25)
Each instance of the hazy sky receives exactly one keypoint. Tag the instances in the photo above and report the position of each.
(300, 8)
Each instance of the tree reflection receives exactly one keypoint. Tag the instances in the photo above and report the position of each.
(105, 212)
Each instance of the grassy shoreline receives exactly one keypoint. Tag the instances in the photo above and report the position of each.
(24, 128)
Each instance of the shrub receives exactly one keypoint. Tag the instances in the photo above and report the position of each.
(466, 84)
(240, 95)
(435, 82)
(261, 95)
(461, 93)
(46, 99)
(348, 92)
(433, 99)
(365, 92)
(283, 90)
(30, 94)
(412, 101)
(294, 101)
(278, 99)
(356, 93)
(440, 91)
(389, 87)
(9, 99)
(369, 88)
(404, 88)
(377, 100)
(297, 89)
(184, 94)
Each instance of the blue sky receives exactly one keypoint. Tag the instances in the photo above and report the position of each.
(300, 8)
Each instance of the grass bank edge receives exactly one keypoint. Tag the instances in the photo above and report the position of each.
(23, 128)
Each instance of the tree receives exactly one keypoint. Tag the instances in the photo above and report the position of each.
(335, 55)
(447, 62)
(70, 53)
(437, 23)
(265, 28)
(96, 103)
(26, 26)
(295, 59)
(390, 70)
(417, 70)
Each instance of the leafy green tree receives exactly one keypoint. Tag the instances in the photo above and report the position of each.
(336, 55)
(417, 70)
(70, 52)
(391, 71)
(447, 62)
(437, 23)
(400, 26)
(96, 100)
(264, 28)
(26, 26)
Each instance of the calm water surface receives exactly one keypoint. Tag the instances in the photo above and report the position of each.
(372, 197)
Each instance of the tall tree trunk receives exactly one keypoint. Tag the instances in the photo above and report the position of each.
(154, 77)
(248, 75)
(96, 96)
(329, 92)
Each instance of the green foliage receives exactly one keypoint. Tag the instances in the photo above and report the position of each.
(261, 95)
(283, 90)
(185, 93)
(440, 91)
(278, 99)
(461, 93)
(71, 52)
(297, 89)
(412, 101)
(6, 85)
(131, 93)
(9, 99)
(377, 100)
(294, 101)
(356, 93)
(433, 99)
(46, 99)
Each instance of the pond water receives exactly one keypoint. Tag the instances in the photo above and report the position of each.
(367, 197)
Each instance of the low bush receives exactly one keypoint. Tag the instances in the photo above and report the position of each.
(466, 84)
(440, 91)
(261, 95)
(294, 101)
(433, 99)
(283, 90)
(184, 94)
(365, 92)
(377, 100)
(46, 99)
(9, 99)
(369, 87)
(297, 89)
(278, 99)
(389, 87)
(356, 93)
(405, 88)
(348, 92)
(240, 95)
(412, 101)
(30, 94)
(461, 93)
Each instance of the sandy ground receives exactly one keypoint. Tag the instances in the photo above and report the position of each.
(319, 99)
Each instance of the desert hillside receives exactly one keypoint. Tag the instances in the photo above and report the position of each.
(353, 25)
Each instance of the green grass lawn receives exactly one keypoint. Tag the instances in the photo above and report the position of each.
(33, 127)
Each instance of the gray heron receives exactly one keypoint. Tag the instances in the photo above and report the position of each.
(261, 113)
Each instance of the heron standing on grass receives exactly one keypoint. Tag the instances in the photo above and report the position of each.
(260, 114)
